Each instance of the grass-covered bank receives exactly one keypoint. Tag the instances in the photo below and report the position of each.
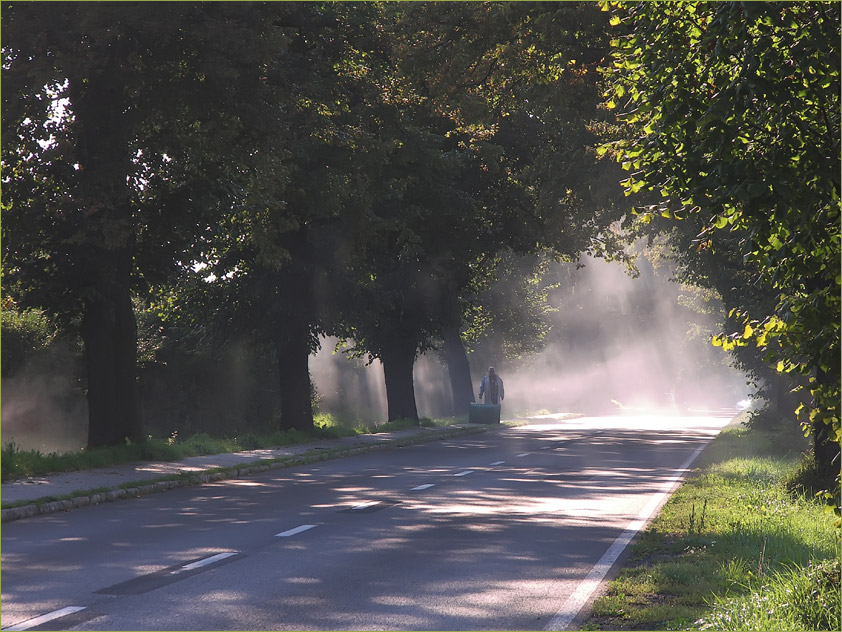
(733, 549)
(22, 463)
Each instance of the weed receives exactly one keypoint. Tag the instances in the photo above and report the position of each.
(761, 567)
(612, 606)
(693, 527)
(734, 574)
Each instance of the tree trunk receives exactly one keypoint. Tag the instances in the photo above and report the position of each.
(106, 250)
(109, 331)
(825, 449)
(459, 371)
(293, 353)
(781, 394)
(400, 390)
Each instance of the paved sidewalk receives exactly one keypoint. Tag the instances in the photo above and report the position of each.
(64, 491)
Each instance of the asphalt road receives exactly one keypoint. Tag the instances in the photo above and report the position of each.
(507, 530)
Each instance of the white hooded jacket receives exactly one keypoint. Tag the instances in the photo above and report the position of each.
(491, 391)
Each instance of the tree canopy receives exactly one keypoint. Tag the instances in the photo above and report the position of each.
(732, 117)
(122, 138)
(382, 171)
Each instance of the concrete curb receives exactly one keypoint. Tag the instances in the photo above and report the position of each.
(130, 490)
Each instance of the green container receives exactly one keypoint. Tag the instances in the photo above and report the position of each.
(484, 414)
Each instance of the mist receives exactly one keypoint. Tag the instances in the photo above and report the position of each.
(622, 343)
(617, 343)
(43, 407)
(355, 390)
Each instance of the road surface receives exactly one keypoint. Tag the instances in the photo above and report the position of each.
(508, 530)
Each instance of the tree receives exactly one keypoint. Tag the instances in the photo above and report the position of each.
(119, 134)
(279, 252)
(512, 307)
(401, 284)
(733, 116)
(334, 168)
(519, 83)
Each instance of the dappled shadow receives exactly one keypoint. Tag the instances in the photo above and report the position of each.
(467, 554)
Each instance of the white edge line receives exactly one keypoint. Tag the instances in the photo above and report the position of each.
(295, 531)
(576, 601)
(45, 618)
(208, 560)
(465, 473)
(425, 486)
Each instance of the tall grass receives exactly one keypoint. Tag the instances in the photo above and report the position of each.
(793, 598)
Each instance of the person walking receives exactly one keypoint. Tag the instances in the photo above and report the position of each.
(491, 387)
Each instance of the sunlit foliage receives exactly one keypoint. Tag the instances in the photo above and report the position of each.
(732, 112)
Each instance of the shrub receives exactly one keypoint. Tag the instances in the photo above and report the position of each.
(766, 419)
(24, 333)
(8, 461)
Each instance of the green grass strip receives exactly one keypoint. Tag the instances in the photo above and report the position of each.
(733, 549)
(49, 504)
(16, 463)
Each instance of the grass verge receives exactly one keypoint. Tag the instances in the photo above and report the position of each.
(733, 549)
(16, 463)
(81, 498)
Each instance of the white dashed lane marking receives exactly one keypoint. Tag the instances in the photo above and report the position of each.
(370, 503)
(209, 560)
(465, 473)
(497, 463)
(295, 531)
(420, 487)
(45, 618)
(525, 454)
